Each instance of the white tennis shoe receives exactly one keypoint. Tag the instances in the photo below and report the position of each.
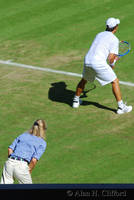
(76, 102)
(124, 109)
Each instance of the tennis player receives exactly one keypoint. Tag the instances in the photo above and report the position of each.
(24, 153)
(99, 63)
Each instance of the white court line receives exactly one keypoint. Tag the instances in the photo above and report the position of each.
(9, 62)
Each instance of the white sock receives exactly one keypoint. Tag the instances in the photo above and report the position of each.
(120, 104)
(76, 97)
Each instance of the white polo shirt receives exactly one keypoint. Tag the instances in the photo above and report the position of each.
(104, 43)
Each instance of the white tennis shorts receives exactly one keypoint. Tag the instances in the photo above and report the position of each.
(104, 74)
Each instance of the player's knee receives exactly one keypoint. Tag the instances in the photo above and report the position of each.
(116, 81)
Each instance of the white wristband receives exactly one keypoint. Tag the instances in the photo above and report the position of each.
(112, 64)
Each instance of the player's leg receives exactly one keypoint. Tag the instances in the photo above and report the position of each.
(116, 90)
(107, 75)
(88, 75)
(122, 108)
(79, 90)
(80, 87)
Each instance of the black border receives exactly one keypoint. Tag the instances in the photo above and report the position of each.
(70, 191)
(64, 186)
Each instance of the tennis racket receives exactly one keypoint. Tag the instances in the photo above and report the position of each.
(124, 48)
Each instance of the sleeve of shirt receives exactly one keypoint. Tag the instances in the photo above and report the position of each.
(13, 145)
(39, 151)
(114, 48)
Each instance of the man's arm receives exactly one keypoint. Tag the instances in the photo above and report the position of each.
(32, 164)
(112, 58)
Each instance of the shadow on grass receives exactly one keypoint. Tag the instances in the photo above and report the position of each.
(58, 92)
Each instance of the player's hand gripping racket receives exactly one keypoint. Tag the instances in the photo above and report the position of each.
(124, 48)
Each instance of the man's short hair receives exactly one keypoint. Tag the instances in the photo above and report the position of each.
(110, 29)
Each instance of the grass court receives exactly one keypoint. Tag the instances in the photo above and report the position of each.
(91, 144)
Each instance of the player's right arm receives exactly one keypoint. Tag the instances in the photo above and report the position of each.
(10, 151)
(112, 58)
(113, 52)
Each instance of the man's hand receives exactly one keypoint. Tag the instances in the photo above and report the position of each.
(112, 58)
(10, 151)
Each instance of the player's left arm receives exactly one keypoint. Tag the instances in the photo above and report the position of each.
(36, 156)
(32, 164)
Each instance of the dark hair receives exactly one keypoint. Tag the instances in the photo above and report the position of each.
(110, 29)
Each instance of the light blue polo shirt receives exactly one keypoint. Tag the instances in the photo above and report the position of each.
(28, 146)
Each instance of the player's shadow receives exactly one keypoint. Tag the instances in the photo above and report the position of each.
(58, 92)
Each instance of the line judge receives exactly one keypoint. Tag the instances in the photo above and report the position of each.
(24, 153)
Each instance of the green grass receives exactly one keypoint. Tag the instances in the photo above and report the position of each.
(87, 145)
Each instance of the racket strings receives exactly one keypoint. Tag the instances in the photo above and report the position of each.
(123, 48)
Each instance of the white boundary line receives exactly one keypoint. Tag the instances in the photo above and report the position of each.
(9, 62)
